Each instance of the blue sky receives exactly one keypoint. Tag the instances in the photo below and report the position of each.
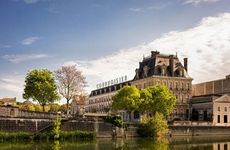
(107, 38)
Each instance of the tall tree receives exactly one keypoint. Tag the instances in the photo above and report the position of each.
(157, 98)
(70, 82)
(127, 99)
(40, 86)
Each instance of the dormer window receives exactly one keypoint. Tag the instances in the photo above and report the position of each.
(145, 69)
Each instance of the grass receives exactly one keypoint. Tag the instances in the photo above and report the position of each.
(64, 136)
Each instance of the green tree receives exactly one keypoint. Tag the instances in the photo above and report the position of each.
(127, 98)
(40, 86)
(157, 98)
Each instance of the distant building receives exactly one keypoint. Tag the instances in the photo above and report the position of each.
(169, 71)
(155, 69)
(211, 102)
(212, 108)
(221, 86)
(78, 105)
(8, 101)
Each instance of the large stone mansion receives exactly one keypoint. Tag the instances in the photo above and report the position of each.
(154, 69)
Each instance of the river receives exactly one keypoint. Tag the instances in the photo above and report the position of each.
(174, 143)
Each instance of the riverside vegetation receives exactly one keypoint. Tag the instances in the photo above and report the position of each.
(155, 103)
(55, 134)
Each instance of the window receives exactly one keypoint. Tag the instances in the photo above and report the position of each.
(218, 119)
(225, 147)
(218, 108)
(225, 119)
(225, 109)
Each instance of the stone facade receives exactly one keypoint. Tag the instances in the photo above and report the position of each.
(78, 105)
(212, 108)
(100, 100)
(221, 86)
(155, 69)
(166, 70)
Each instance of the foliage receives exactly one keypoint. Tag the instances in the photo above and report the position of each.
(126, 98)
(70, 82)
(157, 98)
(56, 128)
(38, 107)
(54, 108)
(63, 108)
(28, 107)
(40, 86)
(115, 120)
(75, 135)
(155, 126)
(14, 136)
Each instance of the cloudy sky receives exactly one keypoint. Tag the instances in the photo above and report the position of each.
(107, 38)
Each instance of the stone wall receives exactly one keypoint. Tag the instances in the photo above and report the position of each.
(198, 130)
(221, 86)
(15, 112)
(19, 124)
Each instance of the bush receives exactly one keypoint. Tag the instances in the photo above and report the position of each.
(14, 136)
(115, 120)
(155, 126)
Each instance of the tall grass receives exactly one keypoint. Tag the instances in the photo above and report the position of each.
(15, 136)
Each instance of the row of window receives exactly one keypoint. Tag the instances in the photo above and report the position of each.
(225, 118)
(99, 100)
(225, 109)
(170, 85)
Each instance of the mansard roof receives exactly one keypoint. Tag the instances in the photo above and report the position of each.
(161, 65)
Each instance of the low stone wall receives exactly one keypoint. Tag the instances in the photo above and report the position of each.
(15, 112)
(33, 125)
(198, 130)
(21, 124)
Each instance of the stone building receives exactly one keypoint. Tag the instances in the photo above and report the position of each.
(169, 71)
(100, 100)
(221, 86)
(155, 69)
(212, 108)
(78, 105)
(8, 101)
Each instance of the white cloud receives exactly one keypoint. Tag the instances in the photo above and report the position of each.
(207, 46)
(196, 2)
(11, 86)
(135, 9)
(29, 40)
(23, 57)
(160, 6)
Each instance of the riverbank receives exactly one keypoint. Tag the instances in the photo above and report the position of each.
(46, 136)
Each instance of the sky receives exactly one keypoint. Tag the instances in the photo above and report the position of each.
(106, 39)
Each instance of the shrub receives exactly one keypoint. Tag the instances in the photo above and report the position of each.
(155, 126)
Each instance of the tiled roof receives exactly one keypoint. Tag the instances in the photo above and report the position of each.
(8, 100)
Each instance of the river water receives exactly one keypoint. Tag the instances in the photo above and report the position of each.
(174, 143)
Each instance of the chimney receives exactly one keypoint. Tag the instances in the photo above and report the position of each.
(171, 64)
(154, 53)
(186, 64)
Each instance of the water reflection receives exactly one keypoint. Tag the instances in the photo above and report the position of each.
(175, 143)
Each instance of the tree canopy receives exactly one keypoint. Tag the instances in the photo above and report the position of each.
(127, 98)
(157, 98)
(153, 99)
(40, 86)
(70, 82)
